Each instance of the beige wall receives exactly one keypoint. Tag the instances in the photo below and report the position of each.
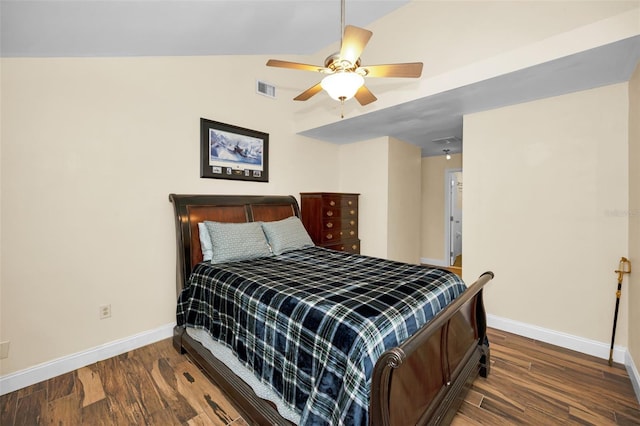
(364, 169)
(633, 280)
(386, 174)
(545, 183)
(433, 207)
(91, 148)
(403, 221)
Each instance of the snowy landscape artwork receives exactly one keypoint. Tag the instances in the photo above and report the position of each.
(231, 152)
(225, 147)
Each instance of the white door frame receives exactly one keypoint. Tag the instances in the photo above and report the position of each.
(447, 213)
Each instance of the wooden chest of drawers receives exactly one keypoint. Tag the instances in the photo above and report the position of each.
(331, 219)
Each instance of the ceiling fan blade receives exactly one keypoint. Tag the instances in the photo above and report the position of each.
(353, 42)
(308, 93)
(364, 96)
(294, 65)
(408, 70)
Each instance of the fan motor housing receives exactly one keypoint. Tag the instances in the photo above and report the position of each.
(335, 63)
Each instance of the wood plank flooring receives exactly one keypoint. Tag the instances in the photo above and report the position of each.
(534, 383)
(153, 385)
(530, 383)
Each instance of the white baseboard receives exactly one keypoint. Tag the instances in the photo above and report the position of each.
(434, 262)
(20, 379)
(579, 344)
(633, 374)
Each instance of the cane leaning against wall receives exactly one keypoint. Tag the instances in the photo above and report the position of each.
(623, 268)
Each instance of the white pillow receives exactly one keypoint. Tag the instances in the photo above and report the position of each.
(205, 242)
(231, 242)
(286, 235)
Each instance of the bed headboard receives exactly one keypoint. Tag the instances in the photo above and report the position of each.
(192, 209)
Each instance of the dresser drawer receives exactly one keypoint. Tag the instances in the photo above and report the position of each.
(340, 224)
(347, 246)
(340, 212)
(339, 201)
(328, 236)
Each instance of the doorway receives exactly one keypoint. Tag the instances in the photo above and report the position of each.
(453, 215)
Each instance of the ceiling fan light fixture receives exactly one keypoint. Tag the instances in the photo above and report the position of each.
(345, 76)
(342, 85)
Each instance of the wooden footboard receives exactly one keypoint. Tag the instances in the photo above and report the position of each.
(424, 380)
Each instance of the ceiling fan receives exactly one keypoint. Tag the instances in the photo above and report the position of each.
(344, 74)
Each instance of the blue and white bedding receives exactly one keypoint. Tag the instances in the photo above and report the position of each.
(311, 323)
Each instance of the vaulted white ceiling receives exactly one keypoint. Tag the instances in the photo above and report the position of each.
(54, 28)
(60, 28)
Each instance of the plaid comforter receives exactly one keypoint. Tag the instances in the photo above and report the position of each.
(313, 322)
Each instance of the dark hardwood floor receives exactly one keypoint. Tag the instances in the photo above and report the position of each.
(530, 383)
(534, 383)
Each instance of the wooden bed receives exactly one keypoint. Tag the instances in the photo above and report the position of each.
(422, 381)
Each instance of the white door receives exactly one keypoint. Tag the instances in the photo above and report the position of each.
(454, 179)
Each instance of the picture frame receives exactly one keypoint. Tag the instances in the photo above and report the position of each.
(233, 152)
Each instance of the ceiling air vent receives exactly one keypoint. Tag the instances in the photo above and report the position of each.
(266, 89)
(446, 141)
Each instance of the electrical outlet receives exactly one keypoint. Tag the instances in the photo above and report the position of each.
(4, 350)
(105, 311)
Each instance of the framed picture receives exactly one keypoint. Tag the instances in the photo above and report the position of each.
(232, 152)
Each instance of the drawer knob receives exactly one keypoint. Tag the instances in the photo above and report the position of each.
(352, 233)
(329, 236)
(329, 213)
(332, 203)
(329, 225)
(353, 222)
(352, 212)
(354, 246)
(350, 202)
